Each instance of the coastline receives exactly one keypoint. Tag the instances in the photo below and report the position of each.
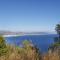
(25, 35)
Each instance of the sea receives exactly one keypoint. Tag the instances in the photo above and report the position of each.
(42, 42)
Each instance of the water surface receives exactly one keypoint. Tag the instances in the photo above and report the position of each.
(41, 41)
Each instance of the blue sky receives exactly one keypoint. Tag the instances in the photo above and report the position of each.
(29, 15)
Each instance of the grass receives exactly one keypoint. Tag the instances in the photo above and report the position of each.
(28, 52)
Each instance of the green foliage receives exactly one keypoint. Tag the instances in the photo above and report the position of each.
(29, 48)
(2, 42)
(28, 52)
(56, 44)
(26, 43)
(57, 39)
(3, 48)
(57, 28)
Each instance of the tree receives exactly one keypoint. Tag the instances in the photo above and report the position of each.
(58, 32)
(56, 39)
(58, 29)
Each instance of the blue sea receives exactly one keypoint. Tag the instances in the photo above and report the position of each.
(42, 42)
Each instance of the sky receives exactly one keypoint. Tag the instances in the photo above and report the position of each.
(29, 15)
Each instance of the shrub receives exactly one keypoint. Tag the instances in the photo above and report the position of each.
(3, 48)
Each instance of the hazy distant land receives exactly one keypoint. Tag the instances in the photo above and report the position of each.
(9, 33)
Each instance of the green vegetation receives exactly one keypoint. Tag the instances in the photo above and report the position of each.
(58, 28)
(3, 47)
(28, 52)
(56, 44)
(58, 32)
(57, 39)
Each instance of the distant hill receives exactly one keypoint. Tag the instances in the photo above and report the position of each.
(9, 33)
(24, 33)
(39, 33)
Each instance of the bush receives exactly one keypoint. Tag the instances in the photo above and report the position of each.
(3, 48)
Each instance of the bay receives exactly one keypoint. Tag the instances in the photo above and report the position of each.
(42, 42)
